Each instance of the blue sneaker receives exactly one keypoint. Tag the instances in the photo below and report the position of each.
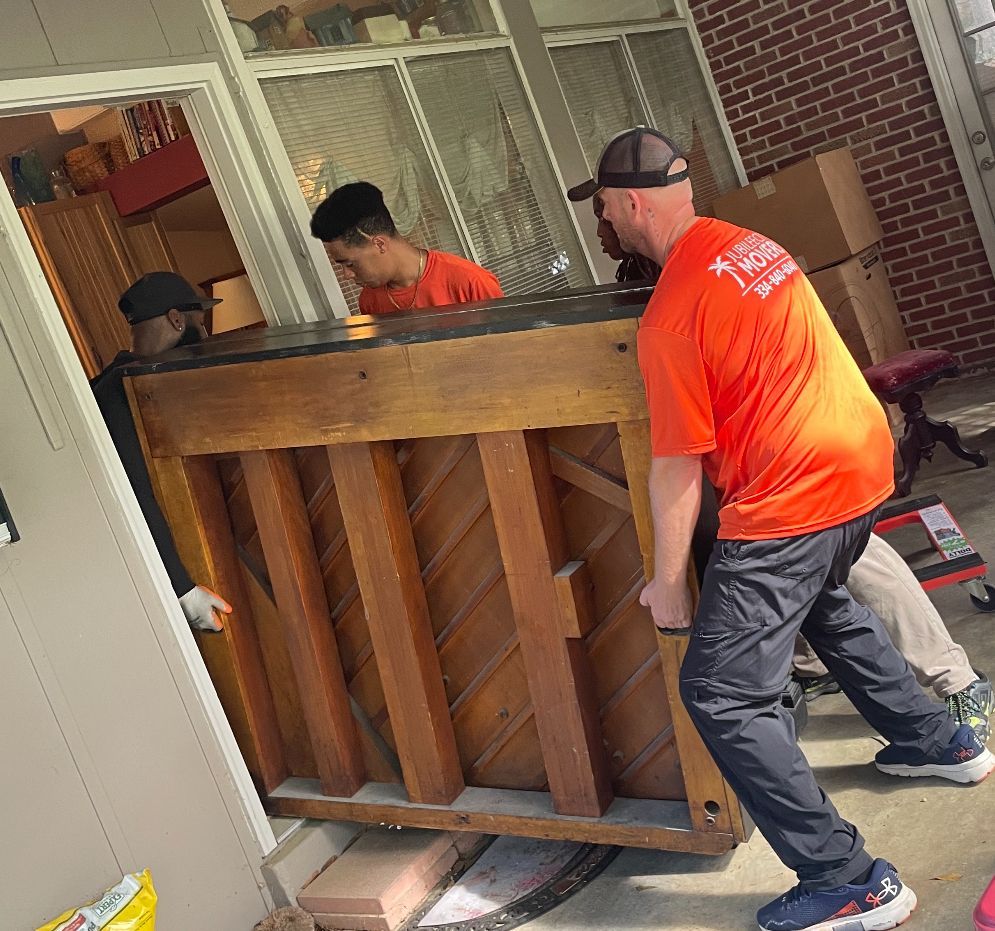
(883, 902)
(965, 759)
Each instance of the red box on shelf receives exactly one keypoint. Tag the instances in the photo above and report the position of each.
(156, 179)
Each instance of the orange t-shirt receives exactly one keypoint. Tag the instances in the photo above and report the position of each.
(743, 366)
(447, 279)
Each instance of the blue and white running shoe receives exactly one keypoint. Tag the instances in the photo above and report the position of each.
(883, 902)
(964, 759)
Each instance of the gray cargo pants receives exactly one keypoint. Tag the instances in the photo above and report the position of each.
(756, 596)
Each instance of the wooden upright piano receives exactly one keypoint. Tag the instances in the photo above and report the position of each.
(434, 529)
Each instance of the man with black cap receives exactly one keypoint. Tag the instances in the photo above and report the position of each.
(164, 311)
(747, 378)
(360, 237)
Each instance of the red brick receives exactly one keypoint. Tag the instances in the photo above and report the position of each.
(377, 873)
(879, 100)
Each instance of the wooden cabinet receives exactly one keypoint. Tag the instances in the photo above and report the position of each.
(90, 258)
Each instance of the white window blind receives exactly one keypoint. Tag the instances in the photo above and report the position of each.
(682, 108)
(357, 126)
(600, 93)
(499, 170)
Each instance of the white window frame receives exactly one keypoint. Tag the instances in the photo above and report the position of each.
(619, 32)
(44, 349)
(950, 110)
(333, 60)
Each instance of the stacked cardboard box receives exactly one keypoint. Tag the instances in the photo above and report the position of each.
(819, 211)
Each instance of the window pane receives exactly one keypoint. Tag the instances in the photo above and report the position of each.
(357, 126)
(979, 48)
(564, 13)
(599, 91)
(974, 13)
(265, 26)
(681, 108)
(499, 170)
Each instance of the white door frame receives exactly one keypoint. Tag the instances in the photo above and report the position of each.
(954, 120)
(53, 372)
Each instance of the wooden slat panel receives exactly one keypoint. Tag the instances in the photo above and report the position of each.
(514, 762)
(628, 822)
(194, 505)
(395, 392)
(501, 697)
(702, 779)
(281, 515)
(375, 513)
(526, 516)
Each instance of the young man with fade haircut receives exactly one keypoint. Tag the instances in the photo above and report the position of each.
(746, 376)
(879, 579)
(360, 236)
(164, 311)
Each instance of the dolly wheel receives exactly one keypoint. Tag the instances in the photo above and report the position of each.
(988, 605)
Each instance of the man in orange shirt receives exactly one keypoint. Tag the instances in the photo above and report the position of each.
(359, 234)
(747, 378)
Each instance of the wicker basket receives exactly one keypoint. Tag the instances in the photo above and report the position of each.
(88, 164)
(118, 154)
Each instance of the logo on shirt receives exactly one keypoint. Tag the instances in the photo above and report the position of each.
(755, 264)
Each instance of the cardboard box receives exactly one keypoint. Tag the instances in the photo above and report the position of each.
(858, 297)
(817, 209)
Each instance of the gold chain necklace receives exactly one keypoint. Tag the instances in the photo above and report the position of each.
(422, 261)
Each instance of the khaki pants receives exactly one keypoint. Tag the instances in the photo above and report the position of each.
(883, 582)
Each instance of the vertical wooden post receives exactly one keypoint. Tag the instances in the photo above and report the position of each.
(285, 532)
(375, 513)
(194, 504)
(714, 806)
(530, 534)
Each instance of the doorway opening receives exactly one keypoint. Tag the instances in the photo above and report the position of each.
(87, 211)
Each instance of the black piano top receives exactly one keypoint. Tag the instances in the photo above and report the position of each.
(507, 315)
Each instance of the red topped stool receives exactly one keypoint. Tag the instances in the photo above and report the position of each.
(899, 380)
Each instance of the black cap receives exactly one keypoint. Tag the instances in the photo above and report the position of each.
(636, 158)
(157, 293)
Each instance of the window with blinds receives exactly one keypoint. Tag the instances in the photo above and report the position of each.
(600, 93)
(499, 170)
(357, 126)
(682, 108)
(602, 97)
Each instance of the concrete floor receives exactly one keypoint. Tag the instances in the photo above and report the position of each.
(940, 836)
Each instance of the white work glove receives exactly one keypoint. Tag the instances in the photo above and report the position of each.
(203, 609)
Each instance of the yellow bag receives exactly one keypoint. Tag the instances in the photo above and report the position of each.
(128, 906)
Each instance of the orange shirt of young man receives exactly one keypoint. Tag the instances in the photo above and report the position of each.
(447, 279)
(743, 366)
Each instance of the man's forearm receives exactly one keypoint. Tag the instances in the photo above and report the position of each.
(675, 499)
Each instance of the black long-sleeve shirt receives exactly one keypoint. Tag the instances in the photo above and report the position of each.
(108, 389)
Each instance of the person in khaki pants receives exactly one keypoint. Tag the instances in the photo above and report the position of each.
(883, 581)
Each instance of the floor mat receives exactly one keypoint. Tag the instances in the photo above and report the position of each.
(515, 880)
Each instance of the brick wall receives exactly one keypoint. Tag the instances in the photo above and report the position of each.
(801, 77)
